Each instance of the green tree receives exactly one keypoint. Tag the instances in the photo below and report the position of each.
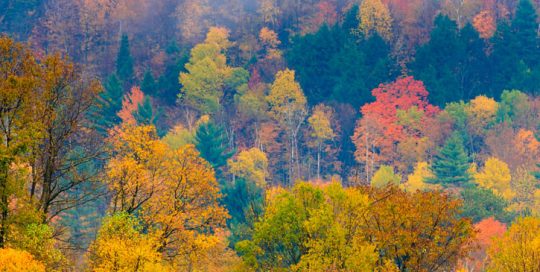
(453, 63)
(147, 114)
(515, 58)
(148, 84)
(480, 203)
(450, 166)
(211, 142)
(385, 176)
(109, 103)
(124, 61)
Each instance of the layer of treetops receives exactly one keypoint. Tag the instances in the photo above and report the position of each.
(270, 135)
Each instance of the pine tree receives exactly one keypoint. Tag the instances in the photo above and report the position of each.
(525, 30)
(212, 144)
(515, 57)
(451, 164)
(124, 61)
(108, 104)
(148, 84)
(146, 114)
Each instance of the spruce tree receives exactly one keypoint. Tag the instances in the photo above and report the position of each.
(148, 84)
(108, 104)
(146, 114)
(212, 144)
(451, 164)
(525, 28)
(124, 61)
(515, 57)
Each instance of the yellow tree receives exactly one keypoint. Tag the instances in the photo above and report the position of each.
(252, 165)
(18, 260)
(287, 105)
(338, 242)
(519, 249)
(481, 112)
(19, 127)
(186, 204)
(269, 11)
(121, 245)
(173, 192)
(385, 176)
(133, 171)
(375, 17)
(496, 176)
(416, 180)
(321, 130)
(270, 43)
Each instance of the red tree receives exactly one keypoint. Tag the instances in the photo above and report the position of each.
(400, 112)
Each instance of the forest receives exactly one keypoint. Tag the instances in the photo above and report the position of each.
(270, 135)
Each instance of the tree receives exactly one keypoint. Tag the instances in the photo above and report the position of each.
(394, 219)
(313, 228)
(484, 22)
(244, 196)
(211, 142)
(19, 260)
(208, 74)
(451, 164)
(124, 61)
(159, 186)
(333, 64)
(287, 105)
(122, 245)
(385, 176)
(131, 173)
(481, 113)
(375, 17)
(515, 58)
(487, 230)
(519, 249)
(146, 114)
(148, 84)
(417, 180)
(18, 78)
(251, 165)
(480, 203)
(58, 169)
(130, 104)
(108, 105)
(379, 132)
(453, 62)
(496, 177)
(322, 131)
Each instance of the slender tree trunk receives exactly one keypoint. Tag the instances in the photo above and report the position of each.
(319, 162)
(4, 212)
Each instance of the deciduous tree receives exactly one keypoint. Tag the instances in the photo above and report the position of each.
(287, 105)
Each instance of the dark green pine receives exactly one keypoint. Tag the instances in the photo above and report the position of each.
(124, 61)
(450, 166)
(212, 144)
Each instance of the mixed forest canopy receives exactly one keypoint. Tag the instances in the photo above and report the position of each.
(270, 135)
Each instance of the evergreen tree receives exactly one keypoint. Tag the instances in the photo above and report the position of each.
(146, 114)
(108, 104)
(167, 83)
(245, 201)
(148, 84)
(451, 164)
(336, 63)
(452, 64)
(124, 61)
(515, 59)
(479, 203)
(212, 144)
